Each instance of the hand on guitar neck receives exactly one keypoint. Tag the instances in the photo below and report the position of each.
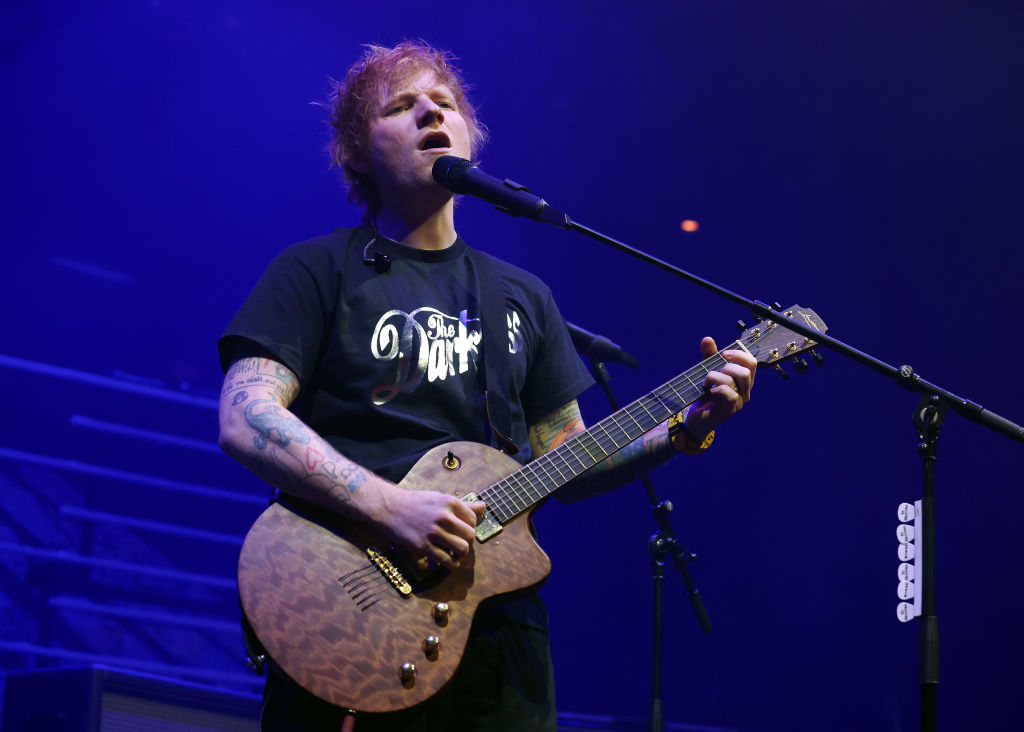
(727, 390)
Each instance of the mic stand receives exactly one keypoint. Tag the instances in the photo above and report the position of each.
(662, 546)
(928, 417)
(937, 399)
(904, 376)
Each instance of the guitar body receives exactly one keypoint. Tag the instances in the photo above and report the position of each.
(335, 622)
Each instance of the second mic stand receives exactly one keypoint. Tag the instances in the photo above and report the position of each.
(662, 546)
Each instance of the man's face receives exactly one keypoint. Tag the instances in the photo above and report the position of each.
(416, 123)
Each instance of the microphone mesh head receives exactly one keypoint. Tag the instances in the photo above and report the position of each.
(449, 172)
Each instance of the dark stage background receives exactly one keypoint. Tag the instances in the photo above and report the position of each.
(863, 159)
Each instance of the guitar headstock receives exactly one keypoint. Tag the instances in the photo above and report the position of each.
(771, 341)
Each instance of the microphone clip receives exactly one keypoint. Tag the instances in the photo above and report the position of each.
(380, 261)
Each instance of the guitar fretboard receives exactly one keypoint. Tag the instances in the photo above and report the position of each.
(513, 494)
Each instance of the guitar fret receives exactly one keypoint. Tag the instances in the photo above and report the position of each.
(626, 412)
(608, 436)
(516, 492)
(495, 499)
(553, 465)
(659, 407)
(631, 431)
(596, 444)
(664, 407)
(540, 469)
(674, 408)
(568, 447)
(512, 502)
(528, 479)
(604, 442)
(501, 511)
(640, 402)
(648, 422)
(540, 478)
(508, 495)
(625, 435)
(559, 453)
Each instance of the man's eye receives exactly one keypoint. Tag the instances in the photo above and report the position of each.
(396, 109)
(447, 105)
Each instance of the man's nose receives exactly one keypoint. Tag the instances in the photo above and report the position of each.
(429, 111)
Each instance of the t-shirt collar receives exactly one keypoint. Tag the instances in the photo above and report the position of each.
(399, 251)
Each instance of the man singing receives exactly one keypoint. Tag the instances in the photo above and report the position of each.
(358, 351)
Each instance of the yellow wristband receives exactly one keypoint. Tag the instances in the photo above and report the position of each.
(681, 439)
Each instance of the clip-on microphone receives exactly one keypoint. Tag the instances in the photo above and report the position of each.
(380, 261)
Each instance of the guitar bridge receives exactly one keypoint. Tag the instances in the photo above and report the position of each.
(488, 526)
(390, 571)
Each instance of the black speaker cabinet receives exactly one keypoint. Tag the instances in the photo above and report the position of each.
(103, 699)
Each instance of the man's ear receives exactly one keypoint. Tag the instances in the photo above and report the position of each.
(360, 164)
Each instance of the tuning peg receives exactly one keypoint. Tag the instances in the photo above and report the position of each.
(818, 358)
(740, 325)
(801, 365)
(776, 306)
(782, 372)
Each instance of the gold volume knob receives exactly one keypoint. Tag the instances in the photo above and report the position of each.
(408, 674)
(431, 645)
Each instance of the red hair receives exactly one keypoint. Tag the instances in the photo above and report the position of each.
(353, 104)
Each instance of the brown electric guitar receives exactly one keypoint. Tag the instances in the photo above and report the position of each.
(354, 621)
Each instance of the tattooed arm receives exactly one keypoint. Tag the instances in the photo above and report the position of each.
(258, 430)
(725, 393)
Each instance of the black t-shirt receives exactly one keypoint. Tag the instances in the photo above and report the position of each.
(387, 362)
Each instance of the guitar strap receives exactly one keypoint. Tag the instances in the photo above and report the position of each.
(497, 380)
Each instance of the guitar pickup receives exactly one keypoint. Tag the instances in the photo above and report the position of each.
(488, 526)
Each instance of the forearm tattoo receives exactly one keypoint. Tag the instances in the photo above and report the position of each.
(640, 456)
(307, 462)
(301, 457)
(557, 427)
(272, 425)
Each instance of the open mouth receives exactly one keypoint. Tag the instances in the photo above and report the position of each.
(435, 140)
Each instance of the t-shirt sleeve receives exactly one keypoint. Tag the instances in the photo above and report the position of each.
(557, 375)
(283, 314)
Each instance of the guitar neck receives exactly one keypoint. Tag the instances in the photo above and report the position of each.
(517, 492)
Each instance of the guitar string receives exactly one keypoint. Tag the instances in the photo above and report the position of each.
(560, 453)
(508, 493)
(507, 499)
(505, 492)
(357, 573)
(615, 435)
(369, 574)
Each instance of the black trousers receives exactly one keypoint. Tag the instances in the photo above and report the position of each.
(505, 683)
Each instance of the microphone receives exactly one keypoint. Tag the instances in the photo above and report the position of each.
(380, 261)
(461, 176)
(600, 348)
